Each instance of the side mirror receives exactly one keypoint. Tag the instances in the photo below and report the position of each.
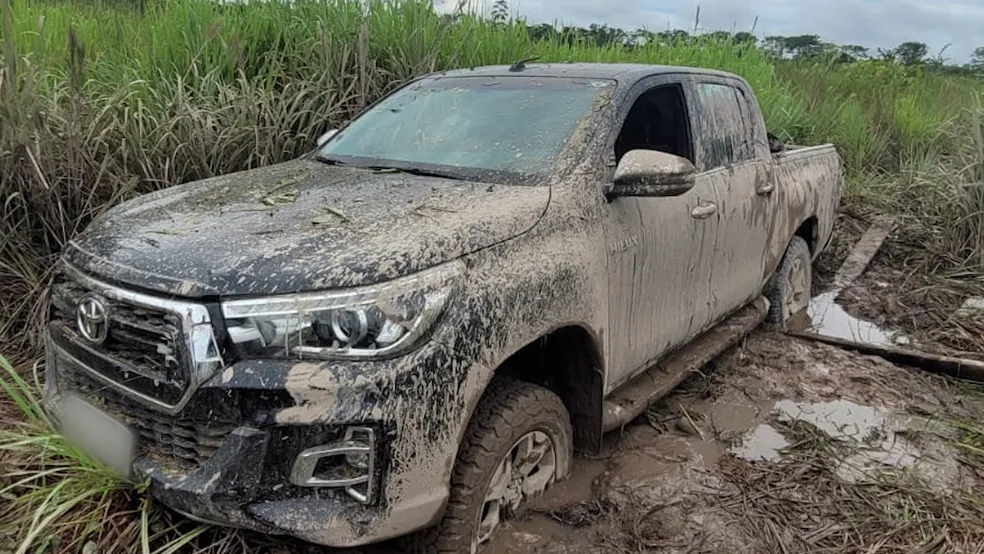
(325, 137)
(653, 173)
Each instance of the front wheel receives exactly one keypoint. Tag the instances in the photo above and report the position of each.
(518, 443)
(790, 293)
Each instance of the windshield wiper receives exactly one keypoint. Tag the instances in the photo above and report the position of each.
(332, 161)
(391, 169)
(415, 171)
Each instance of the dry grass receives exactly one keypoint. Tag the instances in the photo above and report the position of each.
(799, 504)
(803, 505)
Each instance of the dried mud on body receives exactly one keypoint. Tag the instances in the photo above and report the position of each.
(784, 445)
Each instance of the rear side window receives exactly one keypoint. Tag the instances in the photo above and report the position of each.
(722, 134)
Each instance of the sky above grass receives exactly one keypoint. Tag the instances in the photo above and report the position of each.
(870, 23)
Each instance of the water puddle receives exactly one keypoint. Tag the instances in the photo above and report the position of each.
(874, 433)
(763, 444)
(825, 317)
(972, 307)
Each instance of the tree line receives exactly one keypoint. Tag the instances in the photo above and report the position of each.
(799, 47)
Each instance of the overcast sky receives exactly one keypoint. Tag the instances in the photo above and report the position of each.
(871, 23)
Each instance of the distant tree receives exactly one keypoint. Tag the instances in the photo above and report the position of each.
(674, 36)
(603, 35)
(775, 45)
(500, 11)
(977, 59)
(721, 36)
(745, 38)
(664, 38)
(643, 36)
(571, 35)
(910, 53)
(854, 52)
(829, 52)
(804, 46)
(542, 31)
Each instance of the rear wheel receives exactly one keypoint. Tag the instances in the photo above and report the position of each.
(790, 293)
(518, 443)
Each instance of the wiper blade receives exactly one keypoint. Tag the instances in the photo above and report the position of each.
(416, 171)
(331, 161)
(391, 169)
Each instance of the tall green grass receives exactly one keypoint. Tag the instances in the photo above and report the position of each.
(58, 499)
(100, 101)
(109, 102)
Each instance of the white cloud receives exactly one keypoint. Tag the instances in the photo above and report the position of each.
(871, 23)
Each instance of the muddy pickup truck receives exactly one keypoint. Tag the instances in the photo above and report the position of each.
(409, 331)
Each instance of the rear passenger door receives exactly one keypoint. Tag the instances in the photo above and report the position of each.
(731, 161)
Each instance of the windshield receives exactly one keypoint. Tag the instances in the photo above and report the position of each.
(506, 124)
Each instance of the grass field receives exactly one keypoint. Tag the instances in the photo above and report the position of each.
(100, 101)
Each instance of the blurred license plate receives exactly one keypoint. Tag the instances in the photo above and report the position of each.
(98, 434)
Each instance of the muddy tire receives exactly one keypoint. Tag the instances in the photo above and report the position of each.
(515, 424)
(790, 292)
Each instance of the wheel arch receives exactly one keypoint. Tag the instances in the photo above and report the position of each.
(810, 231)
(568, 361)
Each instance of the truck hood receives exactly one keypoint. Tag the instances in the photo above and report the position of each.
(298, 226)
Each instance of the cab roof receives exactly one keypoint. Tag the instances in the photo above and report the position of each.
(616, 71)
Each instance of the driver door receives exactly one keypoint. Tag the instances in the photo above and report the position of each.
(660, 249)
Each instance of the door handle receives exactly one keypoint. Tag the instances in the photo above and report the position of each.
(765, 189)
(704, 211)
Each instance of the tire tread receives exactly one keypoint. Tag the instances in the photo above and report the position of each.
(797, 248)
(503, 415)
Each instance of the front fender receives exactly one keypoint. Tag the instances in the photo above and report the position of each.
(524, 289)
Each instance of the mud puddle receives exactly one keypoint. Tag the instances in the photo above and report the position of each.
(785, 445)
(825, 316)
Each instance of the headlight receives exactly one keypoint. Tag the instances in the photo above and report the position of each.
(370, 322)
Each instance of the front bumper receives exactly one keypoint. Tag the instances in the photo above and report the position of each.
(279, 411)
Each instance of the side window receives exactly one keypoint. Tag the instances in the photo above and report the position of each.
(657, 120)
(723, 136)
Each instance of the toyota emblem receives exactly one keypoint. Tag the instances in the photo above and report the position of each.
(92, 318)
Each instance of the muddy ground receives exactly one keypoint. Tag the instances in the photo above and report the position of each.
(927, 310)
(906, 289)
(786, 445)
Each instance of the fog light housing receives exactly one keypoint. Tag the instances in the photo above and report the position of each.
(348, 464)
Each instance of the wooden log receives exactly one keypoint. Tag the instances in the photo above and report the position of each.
(862, 254)
(961, 368)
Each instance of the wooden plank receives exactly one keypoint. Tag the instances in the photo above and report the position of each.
(865, 249)
(961, 368)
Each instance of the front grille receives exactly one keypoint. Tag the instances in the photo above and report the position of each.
(187, 442)
(143, 349)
